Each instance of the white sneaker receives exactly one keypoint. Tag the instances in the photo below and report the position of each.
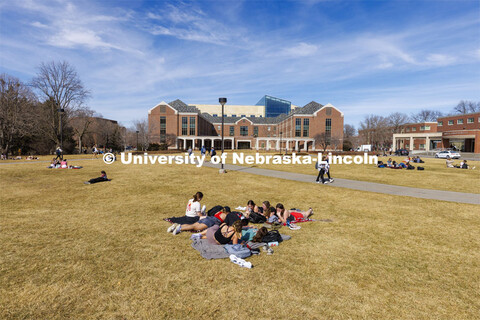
(292, 226)
(177, 230)
(331, 180)
(172, 227)
(195, 236)
(317, 181)
(325, 182)
(240, 262)
(204, 208)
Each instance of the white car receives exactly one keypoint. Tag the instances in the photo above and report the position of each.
(445, 154)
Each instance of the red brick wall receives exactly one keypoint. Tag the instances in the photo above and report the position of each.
(456, 126)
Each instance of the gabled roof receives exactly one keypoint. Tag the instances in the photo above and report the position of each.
(309, 108)
(181, 106)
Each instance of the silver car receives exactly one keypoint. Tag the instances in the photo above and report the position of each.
(448, 153)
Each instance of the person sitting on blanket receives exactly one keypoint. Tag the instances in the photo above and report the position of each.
(251, 207)
(202, 224)
(193, 211)
(102, 178)
(286, 216)
(267, 210)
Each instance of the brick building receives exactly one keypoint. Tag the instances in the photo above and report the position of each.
(304, 128)
(461, 132)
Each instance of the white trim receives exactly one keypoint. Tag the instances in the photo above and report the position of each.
(242, 119)
(163, 103)
(328, 105)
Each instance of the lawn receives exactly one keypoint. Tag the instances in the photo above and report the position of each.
(79, 251)
(435, 176)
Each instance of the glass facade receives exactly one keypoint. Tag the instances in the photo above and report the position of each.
(275, 106)
(184, 126)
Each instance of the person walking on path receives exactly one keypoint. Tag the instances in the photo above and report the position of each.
(59, 153)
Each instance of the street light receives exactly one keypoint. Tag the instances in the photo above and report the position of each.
(222, 101)
(60, 112)
(137, 138)
(281, 142)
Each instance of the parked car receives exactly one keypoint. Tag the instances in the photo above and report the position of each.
(401, 152)
(448, 153)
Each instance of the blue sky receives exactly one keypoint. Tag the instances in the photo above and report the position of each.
(361, 56)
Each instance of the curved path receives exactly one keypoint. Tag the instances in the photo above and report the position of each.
(460, 197)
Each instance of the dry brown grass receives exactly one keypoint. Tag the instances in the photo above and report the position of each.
(435, 176)
(79, 251)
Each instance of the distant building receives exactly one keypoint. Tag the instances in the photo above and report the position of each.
(460, 132)
(302, 129)
(275, 106)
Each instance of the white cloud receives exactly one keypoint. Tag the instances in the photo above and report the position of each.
(301, 50)
(440, 59)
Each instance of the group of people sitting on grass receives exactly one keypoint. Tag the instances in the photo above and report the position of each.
(405, 164)
(61, 164)
(463, 164)
(222, 226)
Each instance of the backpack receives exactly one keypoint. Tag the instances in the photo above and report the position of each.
(272, 236)
(214, 210)
(420, 168)
(410, 167)
(257, 218)
(238, 250)
(316, 165)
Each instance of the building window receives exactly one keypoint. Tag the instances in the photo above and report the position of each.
(450, 122)
(470, 120)
(407, 130)
(306, 127)
(459, 121)
(232, 130)
(422, 146)
(192, 126)
(440, 123)
(234, 115)
(255, 131)
(427, 128)
(298, 127)
(275, 128)
(219, 128)
(414, 129)
(243, 116)
(163, 109)
(328, 111)
(269, 128)
(244, 131)
(328, 124)
(224, 115)
(184, 126)
(215, 115)
(422, 128)
(163, 129)
(252, 115)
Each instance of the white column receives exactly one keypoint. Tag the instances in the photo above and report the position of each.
(233, 143)
(296, 145)
(305, 145)
(313, 145)
(278, 145)
(411, 144)
(193, 144)
(203, 142)
(427, 143)
(394, 142)
(268, 145)
(256, 144)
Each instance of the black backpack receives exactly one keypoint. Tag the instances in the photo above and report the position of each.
(420, 168)
(272, 236)
(257, 218)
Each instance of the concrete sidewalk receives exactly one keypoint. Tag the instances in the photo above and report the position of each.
(459, 197)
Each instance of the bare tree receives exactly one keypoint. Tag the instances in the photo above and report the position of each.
(426, 115)
(323, 140)
(16, 118)
(81, 121)
(375, 130)
(465, 106)
(396, 121)
(349, 131)
(142, 127)
(62, 90)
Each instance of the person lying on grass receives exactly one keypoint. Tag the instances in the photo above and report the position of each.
(224, 234)
(193, 211)
(102, 178)
(224, 216)
(287, 217)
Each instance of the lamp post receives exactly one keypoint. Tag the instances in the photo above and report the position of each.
(281, 142)
(60, 116)
(137, 138)
(222, 101)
